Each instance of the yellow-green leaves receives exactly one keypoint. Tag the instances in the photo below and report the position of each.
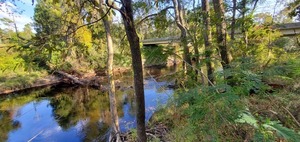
(84, 36)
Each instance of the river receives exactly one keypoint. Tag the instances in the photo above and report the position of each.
(59, 114)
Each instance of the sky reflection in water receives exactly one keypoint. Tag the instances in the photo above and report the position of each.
(72, 115)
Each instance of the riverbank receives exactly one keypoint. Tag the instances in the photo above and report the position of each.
(202, 114)
(19, 81)
(39, 82)
(16, 82)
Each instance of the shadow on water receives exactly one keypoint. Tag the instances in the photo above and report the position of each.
(74, 114)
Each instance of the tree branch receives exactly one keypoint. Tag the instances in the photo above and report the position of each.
(112, 5)
(16, 29)
(254, 6)
(87, 24)
(155, 14)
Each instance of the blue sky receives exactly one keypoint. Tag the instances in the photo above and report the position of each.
(28, 10)
(24, 6)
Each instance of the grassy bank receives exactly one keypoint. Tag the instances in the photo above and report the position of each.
(13, 73)
(19, 79)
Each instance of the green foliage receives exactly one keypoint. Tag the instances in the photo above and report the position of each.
(141, 5)
(283, 72)
(267, 128)
(19, 79)
(134, 134)
(263, 42)
(161, 21)
(156, 55)
(122, 60)
(27, 32)
(205, 106)
(244, 76)
(14, 73)
(9, 60)
(58, 37)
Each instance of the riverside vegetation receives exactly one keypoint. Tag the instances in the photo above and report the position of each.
(237, 76)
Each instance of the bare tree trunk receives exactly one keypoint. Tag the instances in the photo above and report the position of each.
(221, 33)
(232, 37)
(179, 17)
(244, 31)
(127, 15)
(196, 58)
(112, 92)
(207, 40)
(112, 97)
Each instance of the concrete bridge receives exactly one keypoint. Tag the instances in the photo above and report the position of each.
(288, 29)
(155, 41)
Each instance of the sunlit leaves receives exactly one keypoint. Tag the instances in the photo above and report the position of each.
(84, 36)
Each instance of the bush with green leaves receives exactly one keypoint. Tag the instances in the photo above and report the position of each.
(267, 130)
(209, 111)
(156, 55)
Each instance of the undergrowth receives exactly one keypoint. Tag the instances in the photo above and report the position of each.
(14, 73)
(20, 78)
(261, 105)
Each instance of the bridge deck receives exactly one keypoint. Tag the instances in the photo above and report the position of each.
(288, 29)
(167, 40)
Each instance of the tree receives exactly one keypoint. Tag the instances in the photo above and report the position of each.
(27, 32)
(222, 33)
(127, 16)
(61, 35)
(233, 20)
(207, 39)
(111, 91)
(181, 24)
(244, 10)
(293, 9)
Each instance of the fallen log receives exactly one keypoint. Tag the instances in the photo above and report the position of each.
(71, 77)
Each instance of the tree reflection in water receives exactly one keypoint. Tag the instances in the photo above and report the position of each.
(7, 123)
(74, 105)
(73, 114)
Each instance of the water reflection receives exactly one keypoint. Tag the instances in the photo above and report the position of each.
(72, 114)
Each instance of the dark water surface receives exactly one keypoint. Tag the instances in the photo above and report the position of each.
(57, 114)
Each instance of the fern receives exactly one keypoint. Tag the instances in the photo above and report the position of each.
(268, 127)
(282, 131)
(247, 117)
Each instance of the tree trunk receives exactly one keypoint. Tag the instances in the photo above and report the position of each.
(221, 33)
(127, 15)
(232, 36)
(179, 18)
(111, 90)
(244, 30)
(207, 40)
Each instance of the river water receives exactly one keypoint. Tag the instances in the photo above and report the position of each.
(60, 114)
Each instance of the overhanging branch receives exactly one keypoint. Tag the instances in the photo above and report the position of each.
(112, 5)
(87, 24)
(152, 15)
